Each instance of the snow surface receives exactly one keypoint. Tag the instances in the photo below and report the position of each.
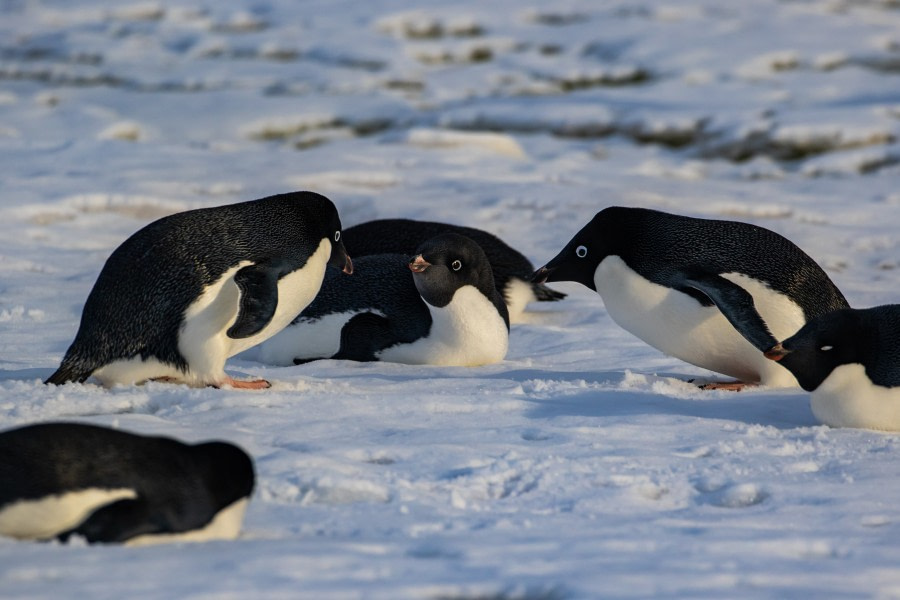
(583, 465)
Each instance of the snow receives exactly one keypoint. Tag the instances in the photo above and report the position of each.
(583, 465)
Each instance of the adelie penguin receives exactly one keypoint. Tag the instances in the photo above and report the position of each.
(438, 307)
(186, 292)
(713, 293)
(850, 360)
(110, 486)
(511, 269)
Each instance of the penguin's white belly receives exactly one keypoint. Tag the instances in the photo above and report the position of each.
(306, 339)
(848, 398)
(47, 517)
(678, 325)
(203, 341)
(466, 332)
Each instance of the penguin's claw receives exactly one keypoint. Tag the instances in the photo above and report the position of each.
(238, 384)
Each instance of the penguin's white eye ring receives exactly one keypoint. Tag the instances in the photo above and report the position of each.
(581, 251)
(826, 348)
(337, 236)
(456, 265)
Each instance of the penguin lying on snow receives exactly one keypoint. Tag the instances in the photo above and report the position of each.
(850, 361)
(512, 271)
(60, 479)
(716, 294)
(440, 308)
(184, 293)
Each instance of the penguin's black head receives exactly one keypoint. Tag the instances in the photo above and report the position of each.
(579, 259)
(823, 344)
(447, 262)
(332, 231)
(226, 471)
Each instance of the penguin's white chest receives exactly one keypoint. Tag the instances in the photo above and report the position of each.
(467, 332)
(848, 398)
(296, 291)
(678, 325)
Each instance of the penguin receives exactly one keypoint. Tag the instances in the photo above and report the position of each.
(187, 291)
(850, 360)
(712, 293)
(61, 479)
(512, 271)
(440, 307)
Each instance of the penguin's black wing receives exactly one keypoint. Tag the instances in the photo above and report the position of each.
(736, 304)
(363, 336)
(116, 523)
(259, 298)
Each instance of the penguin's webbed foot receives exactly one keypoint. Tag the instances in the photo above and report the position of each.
(239, 384)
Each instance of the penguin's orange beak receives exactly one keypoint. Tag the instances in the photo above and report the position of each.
(418, 264)
(776, 352)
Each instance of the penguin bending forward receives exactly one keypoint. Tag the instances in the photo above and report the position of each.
(716, 294)
(186, 292)
(511, 269)
(439, 308)
(850, 360)
(109, 486)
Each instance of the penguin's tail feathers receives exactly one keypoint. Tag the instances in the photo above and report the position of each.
(542, 293)
(69, 371)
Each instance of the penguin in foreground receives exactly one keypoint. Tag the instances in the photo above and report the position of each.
(512, 271)
(716, 294)
(109, 486)
(186, 292)
(440, 308)
(850, 360)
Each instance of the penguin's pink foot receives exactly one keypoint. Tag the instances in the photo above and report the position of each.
(238, 384)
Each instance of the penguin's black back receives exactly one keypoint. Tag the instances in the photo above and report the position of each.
(183, 485)
(881, 356)
(380, 282)
(136, 305)
(403, 236)
(662, 247)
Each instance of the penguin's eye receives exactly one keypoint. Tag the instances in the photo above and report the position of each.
(826, 348)
(337, 236)
(456, 265)
(581, 251)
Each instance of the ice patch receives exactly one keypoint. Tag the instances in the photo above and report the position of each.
(496, 143)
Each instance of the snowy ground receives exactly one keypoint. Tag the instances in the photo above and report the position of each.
(582, 466)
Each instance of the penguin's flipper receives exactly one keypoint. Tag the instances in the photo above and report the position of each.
(736, 304)
(259, 299)
(116, 523)
(363, 336)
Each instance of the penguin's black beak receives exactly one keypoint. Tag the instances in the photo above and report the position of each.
(340, 259)
(541, 275)
(776, 352)
(418, 264)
